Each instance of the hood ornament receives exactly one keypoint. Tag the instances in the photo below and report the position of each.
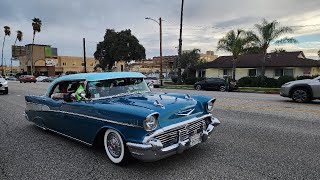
(188, 97)
(157, 103)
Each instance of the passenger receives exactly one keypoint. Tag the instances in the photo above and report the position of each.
(63, 92)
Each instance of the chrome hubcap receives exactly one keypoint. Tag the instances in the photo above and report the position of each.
(114, 145)
(300, 95)
(198, 87)
(222, 88)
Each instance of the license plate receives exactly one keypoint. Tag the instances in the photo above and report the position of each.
(195, 139)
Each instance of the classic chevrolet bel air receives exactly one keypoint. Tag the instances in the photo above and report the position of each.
(118, 110)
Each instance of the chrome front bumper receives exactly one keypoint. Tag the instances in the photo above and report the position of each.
(153, 149)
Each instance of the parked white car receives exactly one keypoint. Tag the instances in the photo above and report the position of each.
(41, 78)
(3, 85)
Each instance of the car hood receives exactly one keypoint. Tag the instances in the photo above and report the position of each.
(304, 81)
(172, 108)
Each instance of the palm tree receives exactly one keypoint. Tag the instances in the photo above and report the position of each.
(237, 43)
(36, 25)
(7, 32)
(19, 38)
(269, 32)
(319, 53)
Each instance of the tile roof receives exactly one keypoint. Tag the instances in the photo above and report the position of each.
(282, 59)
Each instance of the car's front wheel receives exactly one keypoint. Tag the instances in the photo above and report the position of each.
(6, 91)
(300, 95)
(198, 87)
(115, 148)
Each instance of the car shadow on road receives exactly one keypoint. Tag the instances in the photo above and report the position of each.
(316, 102)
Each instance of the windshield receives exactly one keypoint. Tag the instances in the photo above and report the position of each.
(115, 87)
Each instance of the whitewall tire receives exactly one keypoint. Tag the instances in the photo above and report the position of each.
(115, 147)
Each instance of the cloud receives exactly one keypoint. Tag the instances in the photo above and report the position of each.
(205, 21)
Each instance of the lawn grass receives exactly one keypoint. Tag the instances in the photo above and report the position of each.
(258, 89)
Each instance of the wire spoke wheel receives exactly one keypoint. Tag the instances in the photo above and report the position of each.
(115, 148)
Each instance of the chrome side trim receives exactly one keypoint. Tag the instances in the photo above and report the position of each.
(70, 137)
(96, 118)
(159, 131)
(30, 106)
(46, 108)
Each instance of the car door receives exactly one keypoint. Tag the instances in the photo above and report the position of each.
(316, 88)
(53, 117)
(79, 120)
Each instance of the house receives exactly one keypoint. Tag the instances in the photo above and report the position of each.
(277, 64)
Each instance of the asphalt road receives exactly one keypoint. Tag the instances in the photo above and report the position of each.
(261, 136)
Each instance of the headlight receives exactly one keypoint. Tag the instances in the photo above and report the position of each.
(210, 105)
(151, 122)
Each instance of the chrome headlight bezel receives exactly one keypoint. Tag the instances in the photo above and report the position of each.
(210, 105)
(151, 122)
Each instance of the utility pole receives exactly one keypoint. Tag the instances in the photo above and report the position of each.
(161, 74)
(180, 45)
(84, 55)
(160, 24)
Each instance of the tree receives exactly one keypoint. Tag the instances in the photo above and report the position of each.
(36, 25)
(7, 32)
(19, 37)
(118, 46)
(189, 61)
(236, 42)
(319, 53)
(269, 32)
(280, 50)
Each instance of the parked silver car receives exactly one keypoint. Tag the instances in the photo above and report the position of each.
(3, 85)
(302, 90)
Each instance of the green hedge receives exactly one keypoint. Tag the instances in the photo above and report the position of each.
(269, 82)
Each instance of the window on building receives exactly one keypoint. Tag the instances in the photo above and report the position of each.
(227, 72)
(278, 72)
(288, 72)
(252, 72)
(284, 72)
(202, 73)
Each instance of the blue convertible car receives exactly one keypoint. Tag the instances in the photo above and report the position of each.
(119, 110)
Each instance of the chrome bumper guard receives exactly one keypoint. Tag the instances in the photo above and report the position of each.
(153, 150)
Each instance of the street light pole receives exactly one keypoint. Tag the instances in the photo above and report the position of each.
(160, 24)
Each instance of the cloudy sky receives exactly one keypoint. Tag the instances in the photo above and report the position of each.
(65, 22)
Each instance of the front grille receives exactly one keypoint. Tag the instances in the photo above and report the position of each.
(172, 136)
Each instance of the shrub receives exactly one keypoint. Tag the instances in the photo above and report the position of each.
(174, 78)
(304, 77)
(271, 82)
(256, 82)
(192, 80)
(249, 82)
(284, 79)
